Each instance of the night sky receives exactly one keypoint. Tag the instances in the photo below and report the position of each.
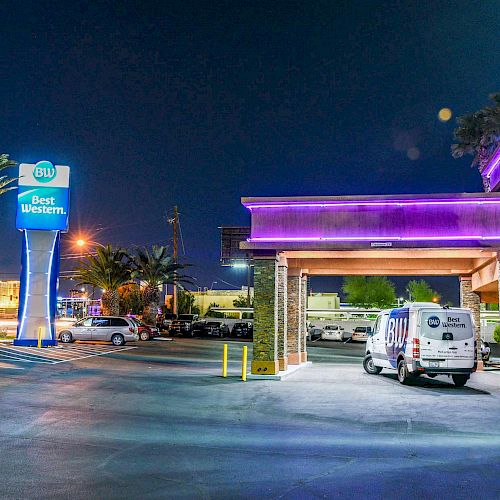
(154, 104)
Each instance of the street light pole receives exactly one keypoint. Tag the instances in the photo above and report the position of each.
(174, 298)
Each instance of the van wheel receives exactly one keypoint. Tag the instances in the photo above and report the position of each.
(403, 373)
(460, 380)
(117, 339)
(370, 367)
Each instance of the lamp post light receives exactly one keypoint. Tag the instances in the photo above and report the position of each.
(245, 265)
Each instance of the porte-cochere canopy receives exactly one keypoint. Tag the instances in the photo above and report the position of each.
(295, 237)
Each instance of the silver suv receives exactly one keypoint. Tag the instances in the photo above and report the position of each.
(115, 329)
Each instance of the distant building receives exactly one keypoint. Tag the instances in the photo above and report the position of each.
(222, 298)
(9, 298)
(323, 301)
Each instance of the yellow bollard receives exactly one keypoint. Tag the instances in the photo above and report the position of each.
(244, 364)
(224, 361)
(40, 334)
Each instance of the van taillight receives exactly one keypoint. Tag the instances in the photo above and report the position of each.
(416, 348)
(130, 329)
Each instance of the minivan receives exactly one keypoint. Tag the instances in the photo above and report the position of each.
(115, 329)
(423, 339)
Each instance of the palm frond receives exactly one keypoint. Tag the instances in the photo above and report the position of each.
(478, 133)
(157, 267)
(5, 162)
(108, 269)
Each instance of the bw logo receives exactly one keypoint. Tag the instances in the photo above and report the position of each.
(44, 171)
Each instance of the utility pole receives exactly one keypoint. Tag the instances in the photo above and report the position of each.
(174, 298)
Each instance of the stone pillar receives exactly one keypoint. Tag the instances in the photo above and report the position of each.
(471, 300)
(303, 318)
(282, 314)
(265, 330)
(293, 312)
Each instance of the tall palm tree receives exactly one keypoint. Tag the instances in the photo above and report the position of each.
(155, 267)
(109, 269)
(478, 134)
(4, 179)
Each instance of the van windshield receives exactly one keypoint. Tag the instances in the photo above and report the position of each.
(435, 323)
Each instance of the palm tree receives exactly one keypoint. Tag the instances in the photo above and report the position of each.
(108, 269)
(478, 134)
(154, 268)
(5, 180)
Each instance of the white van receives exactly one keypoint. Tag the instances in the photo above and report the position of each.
(423, 338)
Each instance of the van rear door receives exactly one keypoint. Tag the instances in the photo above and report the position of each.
(461, 339)
(446, 339)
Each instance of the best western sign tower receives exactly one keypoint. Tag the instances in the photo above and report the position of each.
(42, 213)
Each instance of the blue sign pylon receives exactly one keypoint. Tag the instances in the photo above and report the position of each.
(42, 214)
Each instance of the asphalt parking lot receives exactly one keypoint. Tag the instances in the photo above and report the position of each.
(159, 422)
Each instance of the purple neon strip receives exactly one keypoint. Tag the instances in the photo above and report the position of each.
(372, 238)
(371, 203)
(494, 162)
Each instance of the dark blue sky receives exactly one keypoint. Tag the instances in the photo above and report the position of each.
(198, 103)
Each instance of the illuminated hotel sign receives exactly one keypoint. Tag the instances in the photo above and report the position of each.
(43, 197)
(42, 213)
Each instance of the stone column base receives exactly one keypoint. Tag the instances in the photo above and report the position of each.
(283, 364)
(265, 367)
(294, 358)
(303, 357)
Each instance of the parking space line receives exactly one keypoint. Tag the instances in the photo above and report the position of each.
(22, 354)
(99, 354)
(32, 351)
(14, 357)
(16, 354)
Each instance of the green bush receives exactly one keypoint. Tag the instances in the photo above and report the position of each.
(496, 334)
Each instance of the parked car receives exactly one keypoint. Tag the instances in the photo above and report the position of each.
(115, 329)
(183, 325)
(333, 332)
(215, 328)
(361, 333)
(146, 332)
(164, 321)
(243, 330)
(314, 333)
(423, 339)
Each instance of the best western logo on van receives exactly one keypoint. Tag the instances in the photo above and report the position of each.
(43, 196)
(433, 321)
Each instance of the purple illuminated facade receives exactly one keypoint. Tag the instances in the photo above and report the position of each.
(492, 170)
(449, 220)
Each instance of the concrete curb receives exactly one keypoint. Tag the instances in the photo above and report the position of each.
(281, 375)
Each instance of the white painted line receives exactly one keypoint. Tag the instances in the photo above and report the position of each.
(17, 358)
(95, 355)
(24, 351)
(5, 366)
(42, 353)
(91, 348)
